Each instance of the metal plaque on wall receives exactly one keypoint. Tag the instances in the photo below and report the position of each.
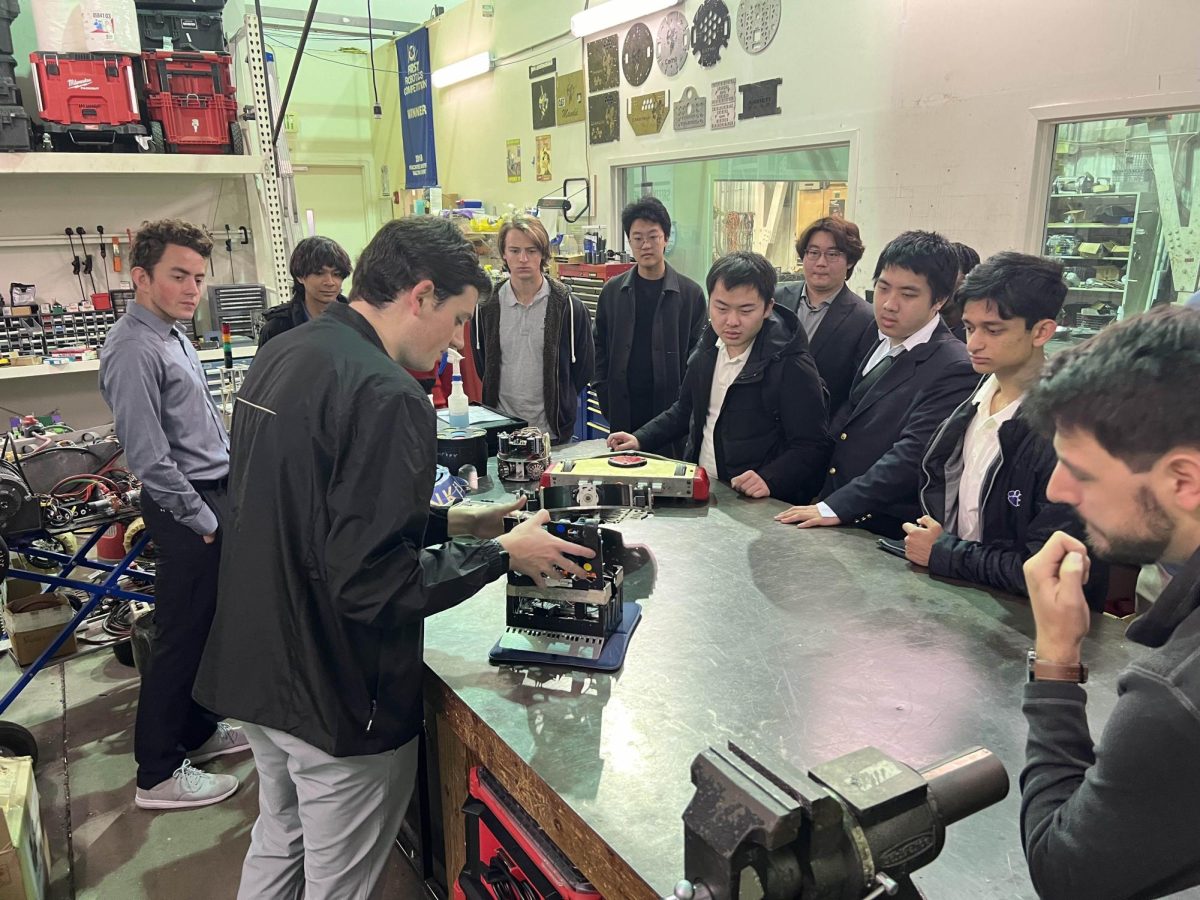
(757, 24)
(542, 69)
(724, 103)
(543, 104)
(673, 44)
(691, 111)
(568, 91)
(603, 64)
(760, 98)
(604, 118)
(710, 32)
(648, 113)
(637, 56)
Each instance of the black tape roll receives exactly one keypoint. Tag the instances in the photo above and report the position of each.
(458, 447)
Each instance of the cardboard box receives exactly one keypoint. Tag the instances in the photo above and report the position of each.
(24, 858)
(33, 620)
(1091, 248)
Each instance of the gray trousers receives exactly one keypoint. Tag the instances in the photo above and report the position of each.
(325, 824)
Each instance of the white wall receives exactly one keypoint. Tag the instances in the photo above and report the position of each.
(941, 100)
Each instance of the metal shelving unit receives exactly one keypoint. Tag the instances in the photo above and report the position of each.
(1070, 224)
(71, 175)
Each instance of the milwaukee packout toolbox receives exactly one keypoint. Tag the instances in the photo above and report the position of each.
(508, 856)
(192, 102)
(183, 72)
(86, 98)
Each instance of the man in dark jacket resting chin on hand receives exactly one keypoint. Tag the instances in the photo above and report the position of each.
(331, 566)
(1116, 820)
(752, 406)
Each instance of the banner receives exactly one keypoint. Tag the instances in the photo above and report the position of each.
(416, 110)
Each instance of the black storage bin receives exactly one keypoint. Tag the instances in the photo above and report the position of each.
(186, 30)
(9, 95)
(8, 67)
(6, 40)
(192, 6)
(14, 128)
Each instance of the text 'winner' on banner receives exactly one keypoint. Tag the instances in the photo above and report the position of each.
(416, 110)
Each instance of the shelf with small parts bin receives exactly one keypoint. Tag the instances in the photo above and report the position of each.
(1092, 235)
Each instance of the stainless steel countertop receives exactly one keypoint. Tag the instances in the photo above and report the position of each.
(808, 644)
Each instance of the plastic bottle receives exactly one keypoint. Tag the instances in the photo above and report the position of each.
(457, 404)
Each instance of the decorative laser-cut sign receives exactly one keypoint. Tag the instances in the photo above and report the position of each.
(603, 64)
(604, 118)
(710, 32)
(568, 91)
(691, 111)
(724, 103)
(543, 104)
(648, 113)
(541, 70)
(757, 24)
(760, 98)
(637, 56)
(673, 43)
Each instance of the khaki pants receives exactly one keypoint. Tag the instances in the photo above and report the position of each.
(325, 824)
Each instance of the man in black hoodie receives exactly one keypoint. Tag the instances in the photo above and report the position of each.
(752, 405)
(318, 266)
(984, 475)
(1117, 819)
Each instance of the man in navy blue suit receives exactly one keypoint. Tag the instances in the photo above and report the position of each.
(915, 377)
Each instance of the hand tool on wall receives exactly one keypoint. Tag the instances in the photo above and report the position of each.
(245, 235)
(103, 257)
(76, 263)
(88, 262)
(229, 250)
(116, 254)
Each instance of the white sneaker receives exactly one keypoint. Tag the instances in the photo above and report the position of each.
(224, 740)
(186, 789)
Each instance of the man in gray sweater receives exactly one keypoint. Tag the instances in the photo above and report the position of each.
(1118, 819)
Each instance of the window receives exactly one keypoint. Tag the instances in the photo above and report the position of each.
(758, 202)
(1119, 215)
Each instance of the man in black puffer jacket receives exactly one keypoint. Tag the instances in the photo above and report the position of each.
(984, 475)
(752, 406)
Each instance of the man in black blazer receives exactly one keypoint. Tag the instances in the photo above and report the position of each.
(840, 324)
(914, 379)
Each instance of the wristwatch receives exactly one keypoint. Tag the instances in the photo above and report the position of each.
(1040, 670)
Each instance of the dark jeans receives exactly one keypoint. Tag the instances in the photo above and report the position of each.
(169, 722)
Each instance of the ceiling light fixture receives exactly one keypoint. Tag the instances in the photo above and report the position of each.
(479, 64)
(614, 13)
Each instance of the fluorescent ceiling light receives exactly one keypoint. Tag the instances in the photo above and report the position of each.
(614, 13)
(478, 64)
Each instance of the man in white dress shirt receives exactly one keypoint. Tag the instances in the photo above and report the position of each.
(984, 476)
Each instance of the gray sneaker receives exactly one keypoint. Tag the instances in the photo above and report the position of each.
(224, 740)
(186, 789)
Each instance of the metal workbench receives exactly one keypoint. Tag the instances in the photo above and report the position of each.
(808, 644)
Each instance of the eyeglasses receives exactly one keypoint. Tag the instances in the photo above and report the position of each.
(526, 252)
(833, 255)
(645, 240)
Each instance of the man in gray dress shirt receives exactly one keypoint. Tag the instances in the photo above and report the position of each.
(176, 443)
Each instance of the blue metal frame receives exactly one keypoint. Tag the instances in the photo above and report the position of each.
(96, 592)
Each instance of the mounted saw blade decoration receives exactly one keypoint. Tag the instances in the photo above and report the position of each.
(648, 113)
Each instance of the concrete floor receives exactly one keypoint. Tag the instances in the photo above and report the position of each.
(101, 845)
